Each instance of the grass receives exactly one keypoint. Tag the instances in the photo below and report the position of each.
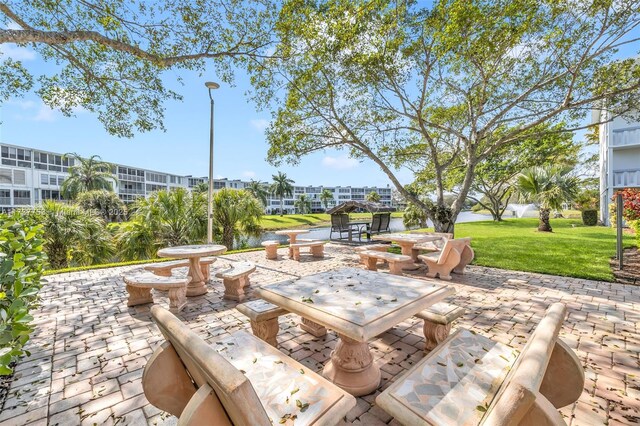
(571, 250)
(275, 222)
(568, 214)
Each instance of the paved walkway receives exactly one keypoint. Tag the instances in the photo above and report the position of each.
(89, 349)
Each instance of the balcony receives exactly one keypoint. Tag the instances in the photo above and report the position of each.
(626, 178)
(626, 138)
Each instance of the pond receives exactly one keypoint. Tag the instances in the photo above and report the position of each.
(322, 233)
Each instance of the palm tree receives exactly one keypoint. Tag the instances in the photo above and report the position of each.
(549, 187)
(202, 187)
(303, 204)
(235, 213)
(282, 187)
(373, 196)
(259, 190)
(87, 174)
(325, 197)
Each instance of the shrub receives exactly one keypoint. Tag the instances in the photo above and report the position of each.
(21, 262)
(590, 217)
(104, 203)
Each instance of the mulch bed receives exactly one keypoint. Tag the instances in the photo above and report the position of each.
(630, 273)
(5, 383)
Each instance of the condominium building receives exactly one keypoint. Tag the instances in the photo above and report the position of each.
(29, 176)
(619, 158)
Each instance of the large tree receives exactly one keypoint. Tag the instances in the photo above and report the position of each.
(87, 174)
(281, 187)
(110, 55)
(427, 88)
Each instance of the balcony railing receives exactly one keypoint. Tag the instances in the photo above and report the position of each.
(626, 178)
(5, 201)
(626, 137)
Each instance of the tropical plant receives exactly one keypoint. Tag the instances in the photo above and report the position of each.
(281, 187)
(303, 204)
(105, 204)
(72, 236)
(135, 240)
(259, 190)
(325, 197)
(414, 216)
(175, 217)
(87, 174)
(22, 260)
(373, 196)
(548, 187)
(202, 187)
(235, 213)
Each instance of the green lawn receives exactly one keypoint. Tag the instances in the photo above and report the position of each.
(571, 250)
(273, 222)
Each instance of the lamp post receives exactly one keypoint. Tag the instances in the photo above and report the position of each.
(211, 86)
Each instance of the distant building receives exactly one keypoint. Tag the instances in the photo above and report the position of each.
(619, 158)
(29, 176)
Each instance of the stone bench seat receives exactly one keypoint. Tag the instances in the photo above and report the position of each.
(264, 319)
(139, 288)
(396, 261)
(455, 255)
(438, 319)
(237, 380)
(164, 269)
(270, 249)
(472, 380)
(316, 248)
(235, 279)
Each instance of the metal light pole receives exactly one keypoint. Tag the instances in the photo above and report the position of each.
(211, 86)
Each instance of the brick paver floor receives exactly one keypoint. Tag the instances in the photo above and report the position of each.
(89, 350)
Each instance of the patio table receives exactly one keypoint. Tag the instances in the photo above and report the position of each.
(193, 252)
(292, 234)
(406, 243)
(358, 305)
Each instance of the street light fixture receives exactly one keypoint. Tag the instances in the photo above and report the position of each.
(211, 86)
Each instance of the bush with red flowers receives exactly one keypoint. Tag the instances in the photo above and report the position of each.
(631, 209)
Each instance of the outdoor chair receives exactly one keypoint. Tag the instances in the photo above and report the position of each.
(339, 224)
(443, 262)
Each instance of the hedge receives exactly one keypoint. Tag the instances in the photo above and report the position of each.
(22, 260)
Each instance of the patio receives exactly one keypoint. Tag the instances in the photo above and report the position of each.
(89, 349)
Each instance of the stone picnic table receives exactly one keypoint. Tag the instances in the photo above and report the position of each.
(292, 234)
(406, 243)
(358, 305)
(193, 252)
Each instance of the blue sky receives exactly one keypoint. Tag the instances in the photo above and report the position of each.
(240, 147)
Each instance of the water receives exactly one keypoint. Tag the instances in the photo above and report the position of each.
(520, 209)
(322, 233)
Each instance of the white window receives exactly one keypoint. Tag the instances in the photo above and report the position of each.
(19, 177)
(44, 179)
(5, 176)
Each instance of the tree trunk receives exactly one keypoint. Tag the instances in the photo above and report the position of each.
(281, 206)
(227, 238)
(544, 225)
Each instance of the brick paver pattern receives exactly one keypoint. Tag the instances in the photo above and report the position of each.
(89, 349)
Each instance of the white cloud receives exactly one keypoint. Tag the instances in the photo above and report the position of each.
(45, 114)
(17, 53)
(22, 104)
(13, 26)
(250, 174)
(340, 163)
(259, 124)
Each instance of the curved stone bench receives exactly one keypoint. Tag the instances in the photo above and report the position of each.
(472, 380)
(438, 319)
(271, 249)
(139, 288)
(316, 248)
(164, 269)
(396, 261)
(235, 279)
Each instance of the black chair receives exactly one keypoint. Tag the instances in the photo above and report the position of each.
(339, 224)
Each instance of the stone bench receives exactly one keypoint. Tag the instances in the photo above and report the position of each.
(472, 380)
(373, 247)
(164, 269)
(396, 261)
(139, 288)
(264, 319)
(271, 249)
(235, 279)
(450, 257)
(236, 380)
(438, 319)
(431, 246)
(316, 248)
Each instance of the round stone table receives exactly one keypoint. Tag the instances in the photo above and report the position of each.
(292, 234)
(193, 252)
